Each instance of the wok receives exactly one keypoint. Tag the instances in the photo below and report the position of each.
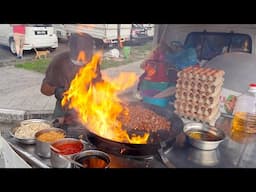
(158, 140)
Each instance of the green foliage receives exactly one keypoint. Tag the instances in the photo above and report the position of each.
(35, 65)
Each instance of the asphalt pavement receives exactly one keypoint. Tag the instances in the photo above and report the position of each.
(20, 96)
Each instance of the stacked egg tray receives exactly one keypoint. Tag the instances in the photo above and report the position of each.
(197, 95)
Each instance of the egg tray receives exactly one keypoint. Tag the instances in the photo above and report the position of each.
(197, 94)
(201, 73)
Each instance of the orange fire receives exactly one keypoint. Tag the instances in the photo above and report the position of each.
(98, 105)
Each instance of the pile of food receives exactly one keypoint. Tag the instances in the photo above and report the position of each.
(27, 131)
(140, 118)
(51, 136)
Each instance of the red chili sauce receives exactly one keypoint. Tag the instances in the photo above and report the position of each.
(69, 148)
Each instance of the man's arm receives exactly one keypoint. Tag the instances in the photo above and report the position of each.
(51, 81)
(47, 89)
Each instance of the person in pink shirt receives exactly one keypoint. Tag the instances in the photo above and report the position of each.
(19, 38)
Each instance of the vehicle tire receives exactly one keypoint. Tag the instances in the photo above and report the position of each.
(52, 49)
(58, 33)
(12, 46)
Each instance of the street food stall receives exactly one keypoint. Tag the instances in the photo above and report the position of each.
(236, 151)
(109, 132)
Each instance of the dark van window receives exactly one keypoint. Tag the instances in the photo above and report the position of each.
(39, 25)
(211, 44)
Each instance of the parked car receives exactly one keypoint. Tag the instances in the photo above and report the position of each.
(61, 31)
(139, 34)
(37, 36)
(150, 30)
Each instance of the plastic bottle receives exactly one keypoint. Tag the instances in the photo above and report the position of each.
(245, 111)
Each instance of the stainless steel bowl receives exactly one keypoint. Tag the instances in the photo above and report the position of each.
(202, 157)
(91, 159)
(59, 160)
(28, 121)
(203, 142)
(43, 148)
(25, 122)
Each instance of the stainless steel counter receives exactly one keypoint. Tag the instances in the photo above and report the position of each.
(236, 151)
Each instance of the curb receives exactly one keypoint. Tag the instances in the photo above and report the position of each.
(9, 62)
(12, 115)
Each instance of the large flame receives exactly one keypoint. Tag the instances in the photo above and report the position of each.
(97, 104)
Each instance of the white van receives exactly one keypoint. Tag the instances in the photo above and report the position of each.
(150, 30)
(228, 47)
(37, 36)
(103, 34)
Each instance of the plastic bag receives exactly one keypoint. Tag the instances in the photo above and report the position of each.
(182, 59)
(10, 157)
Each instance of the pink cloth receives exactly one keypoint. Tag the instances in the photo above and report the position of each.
(157, 63)
(19, 29)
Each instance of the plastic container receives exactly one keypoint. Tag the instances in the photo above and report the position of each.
(245, 111)
(161, 102)
(149, 92)
(160, 86)
(126, 51)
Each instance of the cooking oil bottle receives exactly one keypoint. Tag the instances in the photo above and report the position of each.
(245, 111)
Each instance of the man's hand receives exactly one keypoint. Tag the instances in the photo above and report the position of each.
(59, 93)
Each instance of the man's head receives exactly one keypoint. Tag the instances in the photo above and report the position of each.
(81, 43)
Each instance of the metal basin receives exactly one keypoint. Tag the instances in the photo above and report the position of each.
(203, 137)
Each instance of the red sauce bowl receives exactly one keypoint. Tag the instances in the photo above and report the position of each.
(64, 147)
(68, 147)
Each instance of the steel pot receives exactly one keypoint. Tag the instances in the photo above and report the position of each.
(63, 150)
(91, 159)
(203, 157)
(43, 147)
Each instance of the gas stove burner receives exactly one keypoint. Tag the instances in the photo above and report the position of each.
(160, 144)
(142, 158)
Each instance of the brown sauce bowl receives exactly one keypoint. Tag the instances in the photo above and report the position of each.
(92, 159)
